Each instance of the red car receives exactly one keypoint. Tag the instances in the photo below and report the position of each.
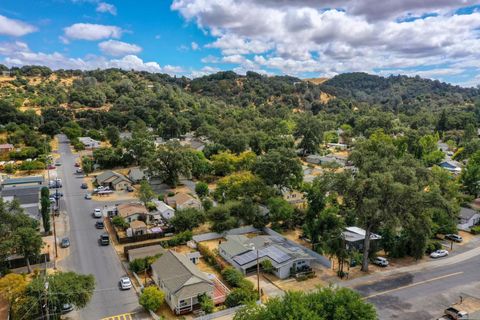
(51, 167)
(77, 164)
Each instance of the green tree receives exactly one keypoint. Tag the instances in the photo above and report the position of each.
(169, 163)
(280, 211)
(29, 243)
(280, 168)
(201, 188)
(470, 176)
(63, 288)
(151, 298)
(145, 192)
(240, 185)
(187, 219)
(87, 165)
(113, 135)
(326, 303)
(45, 211)
(310, 131)
(206, 303)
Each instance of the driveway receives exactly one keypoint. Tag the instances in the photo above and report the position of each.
(86, 255)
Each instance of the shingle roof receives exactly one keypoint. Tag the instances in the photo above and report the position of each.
(149, 251)
(101, 178)
(127, 209)
(180, 198)
(467, 213)
(176, 271)
(137, 224)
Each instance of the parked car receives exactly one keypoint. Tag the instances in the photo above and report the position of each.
(52, 199)
(88, 196)
(67, 307)
(104, 239)
(57, 183)
(125, 283)
(79, 170)
(97, 213)
(51, 167)
(454, 237)
(130, 189)
(99, 225)
(77, 164)
(58, 163)
(380, 261)
(57, 195)
(65, 243)
(84, 186)
(439, 253)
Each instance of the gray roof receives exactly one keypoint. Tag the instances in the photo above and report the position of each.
(24, 194)
(136, 174)
(109, 174)
(234, 245)
(177, 273)
(149, 251)
(354, 234)
(467, 213)
(23, 180)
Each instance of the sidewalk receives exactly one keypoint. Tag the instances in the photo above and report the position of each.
(418, 267)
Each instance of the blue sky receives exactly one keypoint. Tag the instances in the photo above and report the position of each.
(437, 39)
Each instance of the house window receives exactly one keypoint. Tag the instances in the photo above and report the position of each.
(183, 303)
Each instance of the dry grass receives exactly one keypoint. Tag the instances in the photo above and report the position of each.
(317, 80)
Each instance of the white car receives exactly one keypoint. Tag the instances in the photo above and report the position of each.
(97, 213)
(125, 283)
(380, 261)
(439, 254)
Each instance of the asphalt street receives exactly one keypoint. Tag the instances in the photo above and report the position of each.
(423, 294)
(86, 255)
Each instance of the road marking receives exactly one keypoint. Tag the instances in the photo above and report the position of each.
(412, 285)
(124, 316)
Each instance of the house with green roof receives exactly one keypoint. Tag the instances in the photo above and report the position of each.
(182, 282)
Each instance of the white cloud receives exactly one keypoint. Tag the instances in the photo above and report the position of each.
(118, 48)
(194, 46)
(19, 54)
(15, 28)
(106, 7)
(203, 72)
(303, 36)
(89, 31)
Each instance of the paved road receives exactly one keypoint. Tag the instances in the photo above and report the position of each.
(422, 294)
(86, 256)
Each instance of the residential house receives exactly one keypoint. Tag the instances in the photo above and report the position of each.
(143, 252)
(138, 228)
(295, 198)
(113, 180)
(125, 135)
(241, 252)
(6, 148)
(89, 143)
(28, 196)
(30, 180)
(313, 159)
(136, 175)
(354, 237)
(133, 211)
(182, 201)
(26, 190)
(468, 218)
(339, 146)
(163, 210)
(181, 281)
(452, 166)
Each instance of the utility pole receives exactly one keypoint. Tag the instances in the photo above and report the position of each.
(258, 278)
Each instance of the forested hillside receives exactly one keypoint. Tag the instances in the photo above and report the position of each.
(398, 93)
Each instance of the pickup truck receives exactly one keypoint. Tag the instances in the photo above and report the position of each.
(452, 313)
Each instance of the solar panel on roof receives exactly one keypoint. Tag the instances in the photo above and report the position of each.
(275, 254)
(245, 258)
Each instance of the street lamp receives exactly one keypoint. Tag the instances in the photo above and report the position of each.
(252, 246)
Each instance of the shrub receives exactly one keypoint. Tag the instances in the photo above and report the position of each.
(475, 230)
(201, 188)
(433, 245)
(120, 222)
(9, 168)
(207, 204)
(233, 277)
(267, 266)
(137, 265)
(151, 298)
(240, 296)
(206, 303)
(180, 238)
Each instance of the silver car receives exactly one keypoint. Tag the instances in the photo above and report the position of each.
(125, 283)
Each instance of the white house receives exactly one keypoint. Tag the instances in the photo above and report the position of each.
(163, 210)
(89, 143)
(241, 252)
(468, 218)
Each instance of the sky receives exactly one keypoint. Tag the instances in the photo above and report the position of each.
(437, 39)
